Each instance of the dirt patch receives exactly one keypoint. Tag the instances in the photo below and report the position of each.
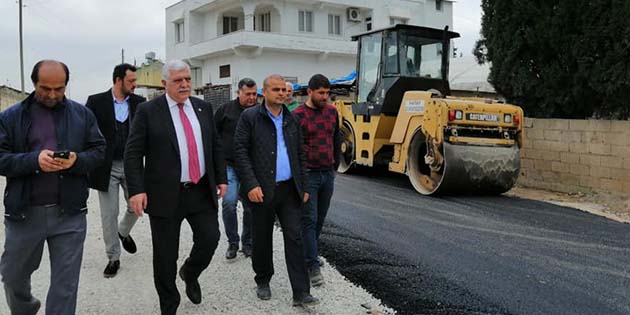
(614, 207)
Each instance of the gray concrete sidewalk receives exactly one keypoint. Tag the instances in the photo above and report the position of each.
(227, 287)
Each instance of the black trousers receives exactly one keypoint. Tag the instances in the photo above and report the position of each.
(287, 206)
(196, 207)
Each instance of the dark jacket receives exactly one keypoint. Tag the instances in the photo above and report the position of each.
(76, 131)
(255, 145)
(102, 105)
(226, 118)
(152, 160)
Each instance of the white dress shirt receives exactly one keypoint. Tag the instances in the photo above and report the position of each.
(121, 109)
(181, 136)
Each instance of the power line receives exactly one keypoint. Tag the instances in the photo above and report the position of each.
(21, 50)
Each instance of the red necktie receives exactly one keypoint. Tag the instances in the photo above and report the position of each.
(193, 159)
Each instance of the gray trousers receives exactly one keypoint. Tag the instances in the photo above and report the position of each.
(109, 203)
(23, 248)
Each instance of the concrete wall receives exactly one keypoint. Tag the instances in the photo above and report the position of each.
(283, 63)
(150, 74)
(9, 96)
(576, 155)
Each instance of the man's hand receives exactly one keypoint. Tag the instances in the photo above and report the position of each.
(138, 203)
(306, 196)
(222, 190)
(67, 163)
(47, 163)
(255, 195)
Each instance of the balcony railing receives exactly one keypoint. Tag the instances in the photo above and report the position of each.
(254, 40)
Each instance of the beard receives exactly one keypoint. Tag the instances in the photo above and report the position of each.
(126, 92)
(319, 104)
(48, 102)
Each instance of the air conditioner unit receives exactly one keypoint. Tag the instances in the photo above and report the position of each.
(354, 15)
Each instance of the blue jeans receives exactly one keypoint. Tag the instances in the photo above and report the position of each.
(320, 188)
(230, 220)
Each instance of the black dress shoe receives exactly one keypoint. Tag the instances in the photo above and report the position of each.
(231, 251)
(263, 291)
(111, 269)
(128, 244)
(247, 250)
(193, 290)
(305, 300)
(36, 305)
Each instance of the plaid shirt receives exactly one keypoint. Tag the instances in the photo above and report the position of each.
(322, 140)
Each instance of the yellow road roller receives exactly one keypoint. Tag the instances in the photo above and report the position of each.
(402, 117)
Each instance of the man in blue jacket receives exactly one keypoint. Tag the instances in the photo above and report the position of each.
(48, 144)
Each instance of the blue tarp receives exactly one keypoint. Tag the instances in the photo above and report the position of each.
(347, 80)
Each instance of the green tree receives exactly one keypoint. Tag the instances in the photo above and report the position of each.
(559, 58)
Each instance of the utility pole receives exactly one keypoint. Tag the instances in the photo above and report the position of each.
(122, 53)
(21, 50)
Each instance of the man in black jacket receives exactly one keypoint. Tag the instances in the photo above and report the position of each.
(226, 119)
(174, 165)
(270, 163)
(48, 144)
(114, 110)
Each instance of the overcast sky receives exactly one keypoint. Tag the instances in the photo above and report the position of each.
(89, 35)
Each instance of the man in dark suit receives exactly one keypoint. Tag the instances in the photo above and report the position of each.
(182, 169)
(270, 163)
(114, 110)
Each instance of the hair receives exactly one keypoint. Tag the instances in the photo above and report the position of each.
(272, 77)
(250, 83)
(318, 81)
(39, 64)
(120, 71)
(173, 65)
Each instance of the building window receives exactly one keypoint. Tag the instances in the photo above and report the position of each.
(438, 5)
(179, 32)
(263, 22)
(305, 21)
(224, 71)
(195, 74)
(230, 24)
(334, 24)
(395, 21)
(368, 23)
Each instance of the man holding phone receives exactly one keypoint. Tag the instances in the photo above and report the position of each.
(62, 154)
(46, 193)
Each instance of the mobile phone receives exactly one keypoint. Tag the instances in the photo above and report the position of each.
(65, 154)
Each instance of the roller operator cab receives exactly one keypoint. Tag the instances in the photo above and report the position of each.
(403, 118)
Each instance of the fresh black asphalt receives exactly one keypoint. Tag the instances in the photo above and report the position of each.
(474, 255)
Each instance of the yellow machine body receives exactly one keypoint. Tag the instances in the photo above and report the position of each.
(400, 117)
(444, 144)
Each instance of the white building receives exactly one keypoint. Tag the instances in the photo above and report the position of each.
(226, 40)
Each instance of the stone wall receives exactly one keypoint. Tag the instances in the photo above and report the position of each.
(576, 155)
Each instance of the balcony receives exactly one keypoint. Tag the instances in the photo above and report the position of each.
(252, 44)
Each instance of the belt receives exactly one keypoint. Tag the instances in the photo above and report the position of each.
(284, 182)
(187, 185)
(190, 185)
